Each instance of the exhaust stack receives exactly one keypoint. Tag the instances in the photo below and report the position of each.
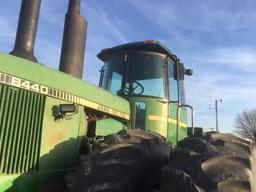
(73, 44)
(26, 32)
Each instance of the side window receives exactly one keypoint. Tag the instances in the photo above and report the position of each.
(182, 92)
(140, 115)
(113, 74)
(173, 84)
(116, 82)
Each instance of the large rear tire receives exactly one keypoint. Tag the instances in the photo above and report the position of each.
(132, 162)
(214, 162)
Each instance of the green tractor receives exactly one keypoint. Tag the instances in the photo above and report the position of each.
(59, 133)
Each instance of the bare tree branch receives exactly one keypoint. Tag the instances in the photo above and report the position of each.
(245, 124)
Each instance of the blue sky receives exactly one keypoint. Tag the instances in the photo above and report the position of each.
(214, 38)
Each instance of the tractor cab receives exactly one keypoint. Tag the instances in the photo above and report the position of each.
(151, 78)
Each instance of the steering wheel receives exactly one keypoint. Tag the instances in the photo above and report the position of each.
(135, 85)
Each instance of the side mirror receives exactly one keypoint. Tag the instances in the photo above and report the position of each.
(188, 72)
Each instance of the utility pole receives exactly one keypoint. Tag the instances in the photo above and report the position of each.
(216, 113)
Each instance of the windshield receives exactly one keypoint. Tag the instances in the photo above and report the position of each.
(145, 75)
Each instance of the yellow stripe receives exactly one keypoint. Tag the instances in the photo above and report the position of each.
(174, 121)
(170, 120)
(157, 118)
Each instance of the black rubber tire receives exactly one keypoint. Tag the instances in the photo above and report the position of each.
(132, 162)
(214, 162)
(176, 180)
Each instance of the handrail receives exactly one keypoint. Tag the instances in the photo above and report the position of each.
(177, 116)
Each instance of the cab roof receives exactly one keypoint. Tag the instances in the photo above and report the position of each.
(149, 45)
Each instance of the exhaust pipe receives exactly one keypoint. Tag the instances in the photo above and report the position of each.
(73, 44)
(26, 32)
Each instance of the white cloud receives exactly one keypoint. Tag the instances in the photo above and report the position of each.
(237, 93)
(53, 12)
(198, 15)
(7, 33)
(104, 30)
(243, 58)
(48, 53)
(108, 25)
(8, 26)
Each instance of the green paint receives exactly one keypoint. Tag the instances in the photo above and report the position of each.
(109, 126)
(59, 137)
(7, 182)
(60, 140)
(42, 181)
(154, 107)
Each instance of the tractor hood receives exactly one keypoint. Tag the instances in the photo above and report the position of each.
(25, 74)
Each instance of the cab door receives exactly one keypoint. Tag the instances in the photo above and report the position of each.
(176, 97)
(145, 88)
